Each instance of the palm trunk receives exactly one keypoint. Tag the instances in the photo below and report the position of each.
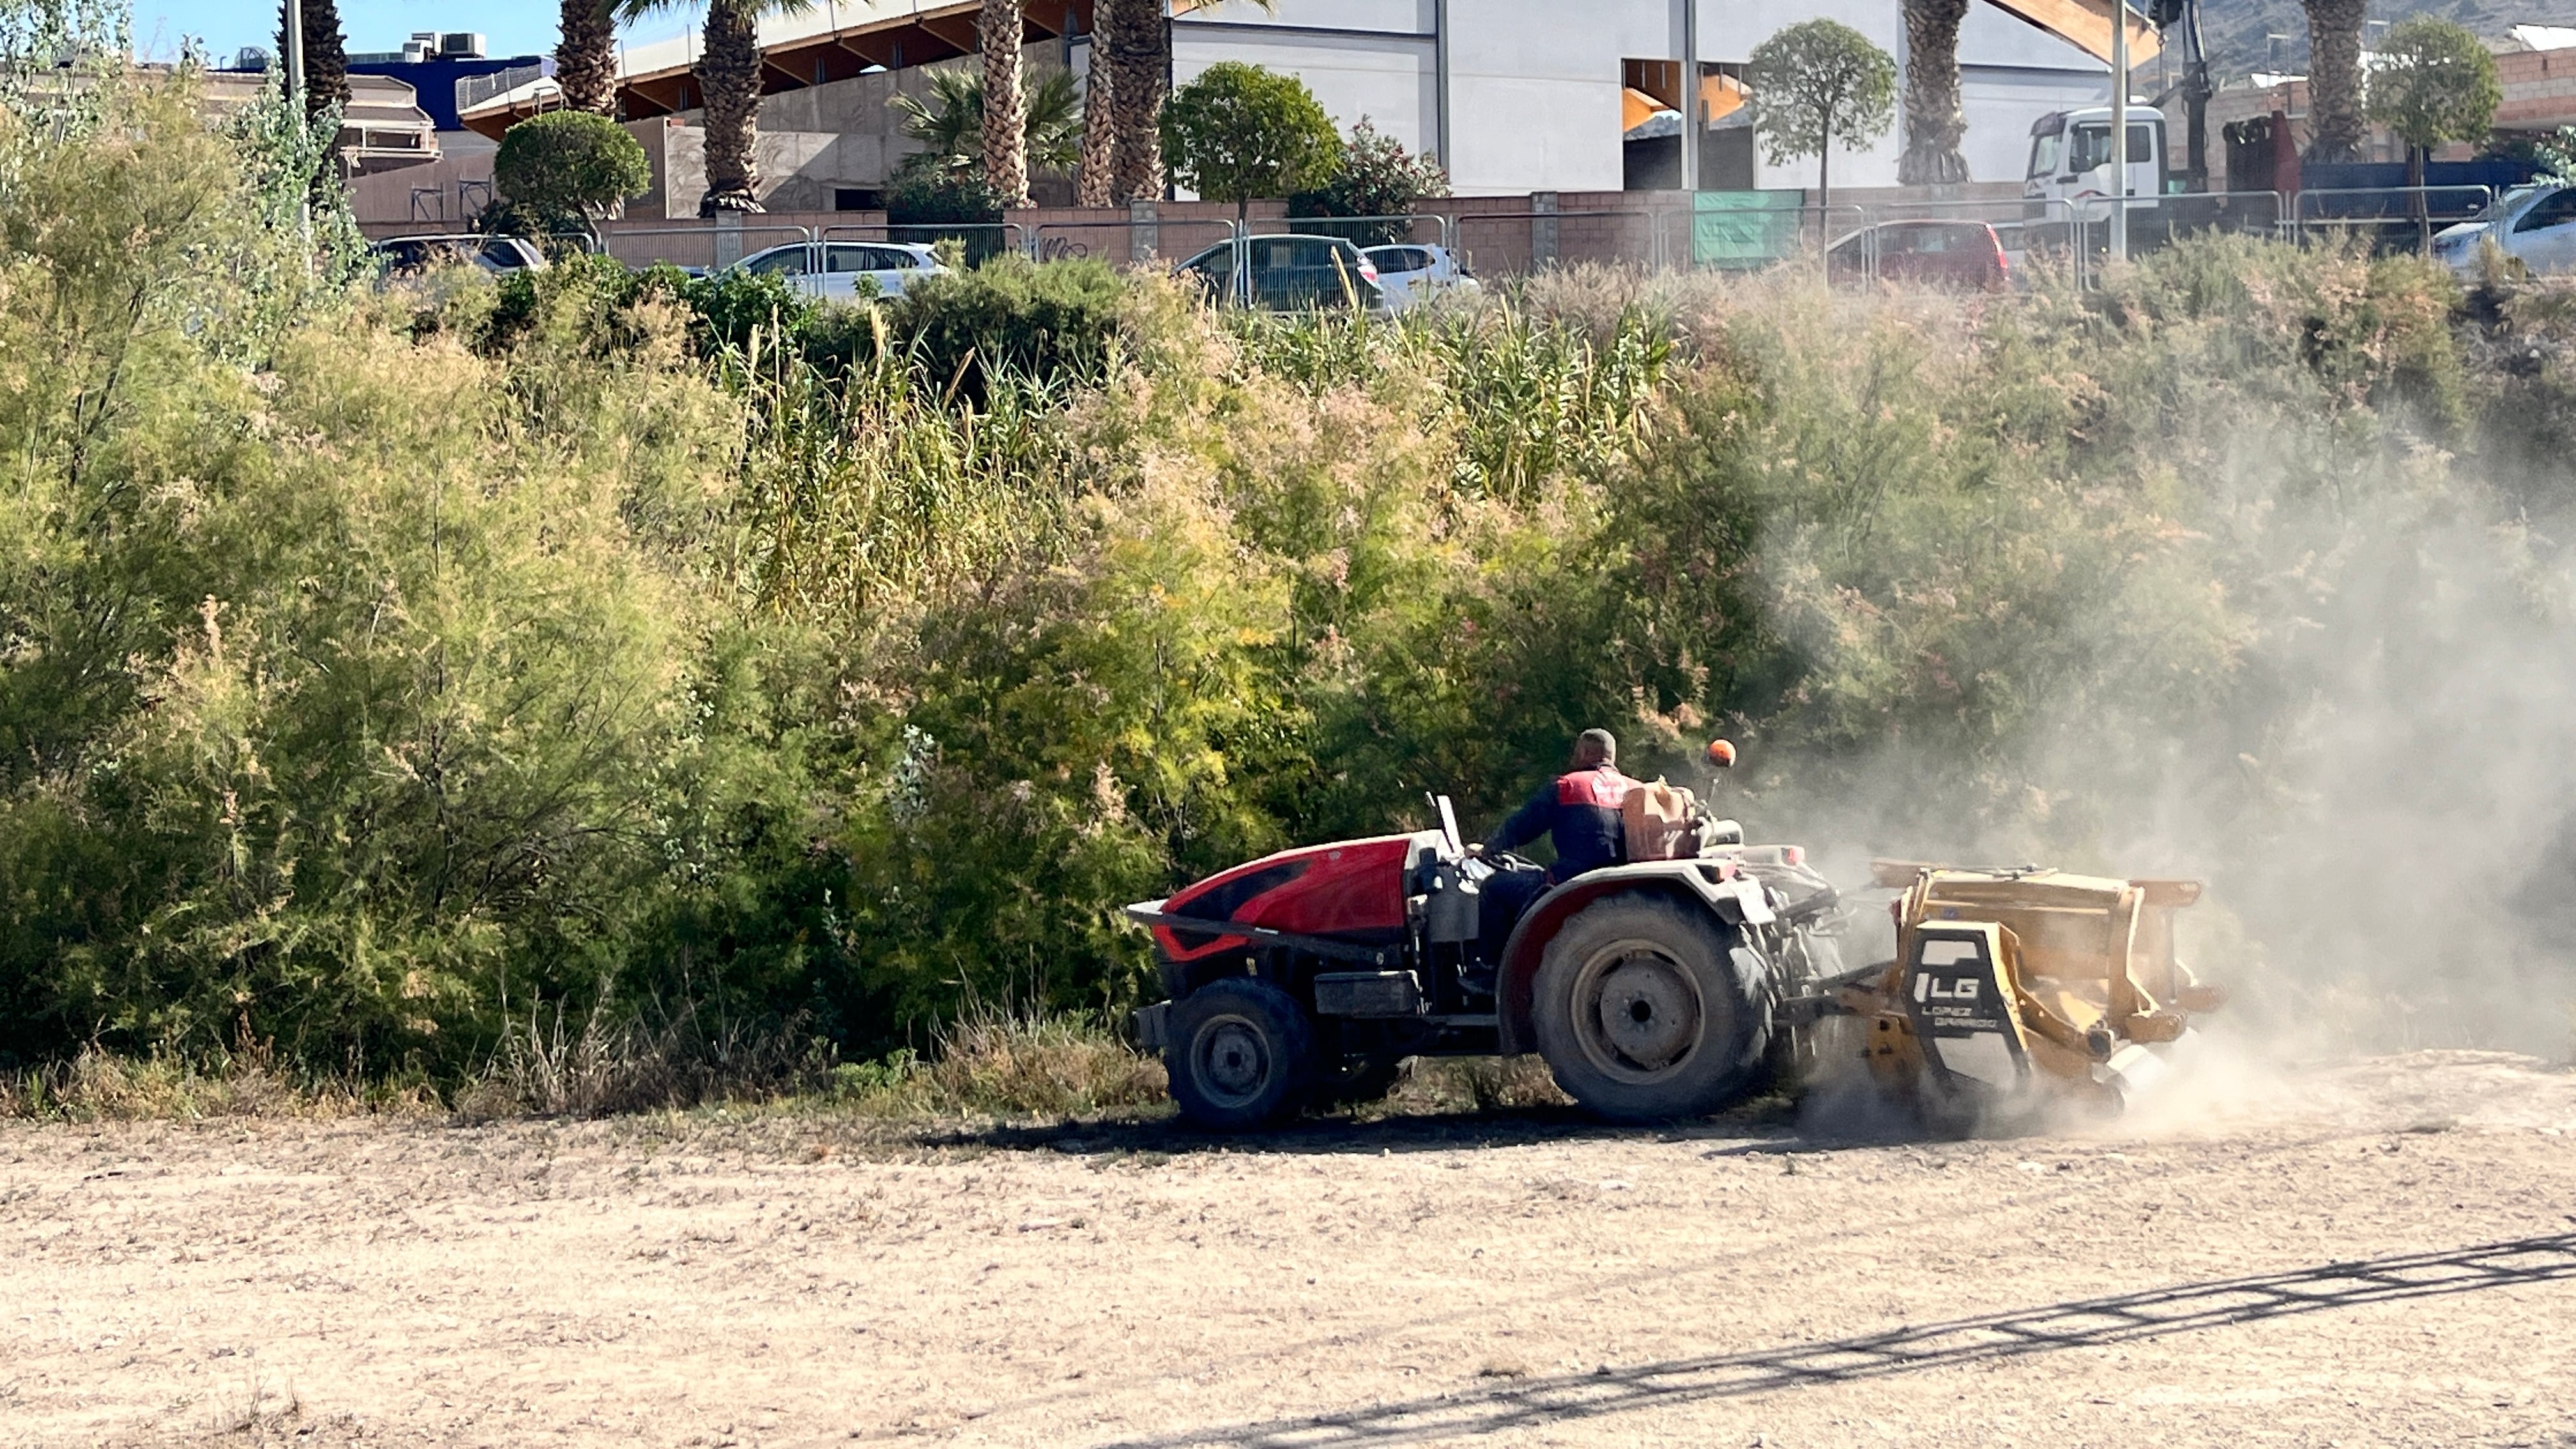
(2335, 130)
(1006, 114)
(586, 58)
(1933, 124)
(1099, 118)
(728, 72)
(1140, 56)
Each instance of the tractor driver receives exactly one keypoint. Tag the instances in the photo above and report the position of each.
(1579, 813)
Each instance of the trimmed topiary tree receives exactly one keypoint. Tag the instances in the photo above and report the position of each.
(1817, 83)
(567, 171)
(2434, 83)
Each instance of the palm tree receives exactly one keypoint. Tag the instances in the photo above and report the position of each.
(1099, 107)
(951, 122)
(728, 77)
(2335, 129)
(586, 56)
(998, 33)
(1137, 43)
(1933, 124)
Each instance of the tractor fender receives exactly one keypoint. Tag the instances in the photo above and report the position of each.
(1738, 902)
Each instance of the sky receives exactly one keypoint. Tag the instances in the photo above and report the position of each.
(515, 27)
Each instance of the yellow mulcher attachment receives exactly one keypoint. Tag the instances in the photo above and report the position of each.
(2017, 991)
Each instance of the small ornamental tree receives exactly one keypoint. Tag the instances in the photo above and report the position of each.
(566, 170)
(1377, 177)
(1239, 131)
(2433, 83)
(1814, 84)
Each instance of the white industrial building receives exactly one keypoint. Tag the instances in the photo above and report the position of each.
(1515, 96)
(1535, 95)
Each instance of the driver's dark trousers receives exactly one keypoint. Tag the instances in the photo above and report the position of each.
(1507, 894)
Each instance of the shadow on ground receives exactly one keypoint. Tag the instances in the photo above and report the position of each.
(2086, 1323)
(1769, 1125)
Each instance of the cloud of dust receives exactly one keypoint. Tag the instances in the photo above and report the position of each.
(2379, 790)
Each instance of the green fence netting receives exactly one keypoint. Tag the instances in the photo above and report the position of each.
(1743, 228)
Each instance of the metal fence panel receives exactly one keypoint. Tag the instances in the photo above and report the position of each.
(704, 246)
(1416, 228)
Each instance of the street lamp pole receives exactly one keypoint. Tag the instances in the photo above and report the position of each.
(1690, 107)
(295, 53)
(2119, 130)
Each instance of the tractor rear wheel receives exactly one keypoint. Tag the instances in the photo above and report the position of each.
(1240, 1055)
(1647, 1009)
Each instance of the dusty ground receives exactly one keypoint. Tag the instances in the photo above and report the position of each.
(1521, 1279)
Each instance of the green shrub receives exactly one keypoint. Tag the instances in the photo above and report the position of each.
(928, 204)
(731, 304)
(1376, 177)
(1055, 323)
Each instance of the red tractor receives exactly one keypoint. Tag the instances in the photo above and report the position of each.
(1654, 988)
(1669, 985)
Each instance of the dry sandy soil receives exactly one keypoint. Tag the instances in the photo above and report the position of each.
(2380, 1252)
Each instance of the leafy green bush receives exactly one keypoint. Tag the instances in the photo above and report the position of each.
(731, 304)
(1376, 177)
(1056, 322)
(927, 203)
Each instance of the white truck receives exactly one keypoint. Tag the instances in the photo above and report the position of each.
(2069, 177)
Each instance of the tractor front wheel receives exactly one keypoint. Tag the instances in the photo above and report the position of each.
(1647, 1009)
(1240, 1054)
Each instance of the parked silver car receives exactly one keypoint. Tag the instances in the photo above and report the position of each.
(830, 270)
(1411, 274)
(2533, 225)
(409, 256)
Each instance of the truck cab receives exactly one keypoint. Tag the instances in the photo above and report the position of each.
(2070, 162)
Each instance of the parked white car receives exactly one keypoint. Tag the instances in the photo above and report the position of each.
(2534, 225)
(1411, 275)
(831, 270)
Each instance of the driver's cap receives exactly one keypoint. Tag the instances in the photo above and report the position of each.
(1721, 753)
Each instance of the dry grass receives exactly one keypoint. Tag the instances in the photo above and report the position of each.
(550, 1065)
(98, 1086)
(1475, 1084)
(993, 1064)
(1007, 1065)
(547, 1067)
